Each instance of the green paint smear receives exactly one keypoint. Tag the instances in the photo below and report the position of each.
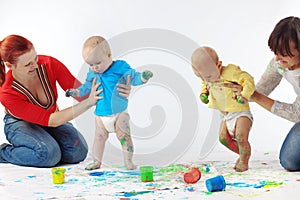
(268, 184)
(122, 141)
(174, 168)
(208, 193)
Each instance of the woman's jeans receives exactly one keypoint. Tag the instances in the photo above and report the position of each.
(40, 146)
(290, 150)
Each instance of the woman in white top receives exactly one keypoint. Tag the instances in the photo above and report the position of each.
(284, 41)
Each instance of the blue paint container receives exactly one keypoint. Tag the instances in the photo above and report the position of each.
(215, 184)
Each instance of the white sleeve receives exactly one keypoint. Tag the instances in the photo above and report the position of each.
(270, 79)
(287, 111)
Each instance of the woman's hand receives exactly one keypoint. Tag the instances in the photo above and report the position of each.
(237, 89)
(124, 89)
(93, 98)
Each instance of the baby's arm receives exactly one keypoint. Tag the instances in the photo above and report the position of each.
(137, 78)
(204, 93)
(247, 82)
(84, 89)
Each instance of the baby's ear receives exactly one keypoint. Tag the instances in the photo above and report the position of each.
(219, 65)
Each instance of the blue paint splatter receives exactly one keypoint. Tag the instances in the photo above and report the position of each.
(133, 193)
(96, 173)
(131, 173)
(72, 180)
(259, 185)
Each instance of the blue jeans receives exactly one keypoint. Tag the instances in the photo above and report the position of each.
(40, 146)
(290, 150)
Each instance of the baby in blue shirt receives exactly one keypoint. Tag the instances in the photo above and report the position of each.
(111, 111)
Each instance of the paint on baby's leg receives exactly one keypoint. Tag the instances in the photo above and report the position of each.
(130, 148)
(123, 140)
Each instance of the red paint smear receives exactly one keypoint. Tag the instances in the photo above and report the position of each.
(264, 163)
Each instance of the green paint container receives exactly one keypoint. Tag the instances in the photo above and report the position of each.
(146, 173)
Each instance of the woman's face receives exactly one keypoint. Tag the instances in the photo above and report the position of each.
(26, 64)
(288, 61)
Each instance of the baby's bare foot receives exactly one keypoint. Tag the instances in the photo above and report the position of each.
(236, 164)
(241, 167)
(94, 165)
(130, 165)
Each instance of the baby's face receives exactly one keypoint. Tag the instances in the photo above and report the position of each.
(209, 72)
(98, 60)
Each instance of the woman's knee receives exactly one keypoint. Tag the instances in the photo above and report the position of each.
(289, 163)
(289, 152)
(78, 152)
(47, 155)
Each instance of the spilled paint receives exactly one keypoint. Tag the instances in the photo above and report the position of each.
(261, 184)
(133, 193)
(168, 183)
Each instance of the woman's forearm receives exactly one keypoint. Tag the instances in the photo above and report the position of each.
(63, 116)
(262, 100)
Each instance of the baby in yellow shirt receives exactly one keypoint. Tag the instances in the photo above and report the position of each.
(235, 110)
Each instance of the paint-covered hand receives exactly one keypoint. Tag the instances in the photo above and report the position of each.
(240, 99)
(204, 98)
(72, 92)
(146, 75)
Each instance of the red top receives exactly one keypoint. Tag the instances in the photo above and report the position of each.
(20, 103)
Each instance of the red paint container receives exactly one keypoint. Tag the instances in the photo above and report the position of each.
(192, 176)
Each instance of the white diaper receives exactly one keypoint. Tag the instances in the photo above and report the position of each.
(231, 118)
(109, 122)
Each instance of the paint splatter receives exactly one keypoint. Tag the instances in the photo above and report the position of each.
(169, 184)
(133, 193)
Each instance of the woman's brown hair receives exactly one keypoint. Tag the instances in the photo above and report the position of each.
(286, 31)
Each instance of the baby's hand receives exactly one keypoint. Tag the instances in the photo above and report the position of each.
(146, 75)
(240, 99)
(204, 98)
(72, 92)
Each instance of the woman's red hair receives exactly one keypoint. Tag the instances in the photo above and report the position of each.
(11, 47)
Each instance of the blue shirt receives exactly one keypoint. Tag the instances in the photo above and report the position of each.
(112, 102)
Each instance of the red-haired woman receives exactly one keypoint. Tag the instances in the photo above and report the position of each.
(39, 134)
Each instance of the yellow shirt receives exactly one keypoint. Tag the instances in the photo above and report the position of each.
(221, 97)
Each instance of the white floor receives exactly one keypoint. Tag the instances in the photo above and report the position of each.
(264, 180)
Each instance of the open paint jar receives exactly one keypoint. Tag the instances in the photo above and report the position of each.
(146, 173)
(58, 175)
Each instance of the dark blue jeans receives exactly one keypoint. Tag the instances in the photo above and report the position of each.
(39, 146)
(290, 150)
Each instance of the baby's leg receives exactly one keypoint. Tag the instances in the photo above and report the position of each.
(243, 126)
(123, 134)
(101, 135)
(226, 139)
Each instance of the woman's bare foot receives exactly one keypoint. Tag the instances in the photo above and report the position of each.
(94, 165)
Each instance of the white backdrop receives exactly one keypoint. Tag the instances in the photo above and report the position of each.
(238, 30)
